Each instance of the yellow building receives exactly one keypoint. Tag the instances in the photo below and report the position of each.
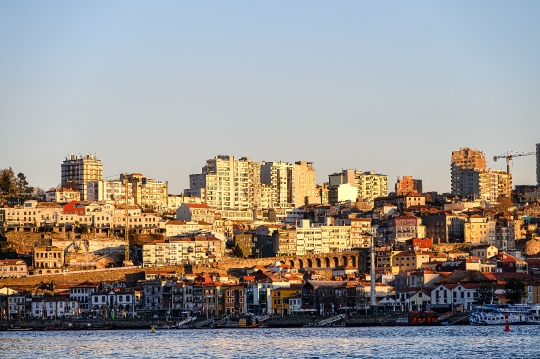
(280, 299)
(404, 261)
(479, 230)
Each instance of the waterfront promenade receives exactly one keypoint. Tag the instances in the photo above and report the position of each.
(289, 321)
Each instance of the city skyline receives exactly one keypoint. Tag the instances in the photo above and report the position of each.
(159, 89)
(111, 174)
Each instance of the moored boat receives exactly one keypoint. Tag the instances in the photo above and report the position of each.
(495, 314)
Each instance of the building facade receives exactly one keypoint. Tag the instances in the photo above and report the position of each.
(48, 260)
(13, 268)
(407, 184)
(290, 183)
(462, 160)
(228, 184)
(80, 170)
(369, 185)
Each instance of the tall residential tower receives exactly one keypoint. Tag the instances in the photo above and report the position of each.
(227, 184)
(80, 170)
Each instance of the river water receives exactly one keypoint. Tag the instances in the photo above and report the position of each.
(367, 342)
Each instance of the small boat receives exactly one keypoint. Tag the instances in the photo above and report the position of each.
(19, 329)
(424, 318)
(244, 322)
(402, 321)
(495, 314)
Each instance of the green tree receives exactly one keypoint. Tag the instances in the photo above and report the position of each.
(23, 188)
(8, 184)
(484, 294)
(14, 186)
(514, 290)
(237, 252)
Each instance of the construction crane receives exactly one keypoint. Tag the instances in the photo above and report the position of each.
(510, 155)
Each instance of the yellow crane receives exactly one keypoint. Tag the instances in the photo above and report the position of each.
(510, 155)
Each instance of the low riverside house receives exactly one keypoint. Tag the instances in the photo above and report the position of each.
(54, 307)
(117, 301)
(82, 293)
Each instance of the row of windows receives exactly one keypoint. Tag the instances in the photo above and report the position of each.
(104, 300)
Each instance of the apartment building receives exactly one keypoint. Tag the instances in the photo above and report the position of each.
(407, 184)
(404, 261)
(479, 229)
(178, 250)
(369, 185)
(402, 228)
(286, 242)
(48, 260)
(173, 201)
(80, 170)
(62, 195)
(335, 238)
(290, 183)
(110, 192)
(359, 229)
(147, 192)
(463, 160)
(472, 178)
(486, 184)
(228, 184)
(444, 227)
(196, 212)
(403, 202)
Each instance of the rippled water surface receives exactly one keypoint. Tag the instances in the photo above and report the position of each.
(372, 342)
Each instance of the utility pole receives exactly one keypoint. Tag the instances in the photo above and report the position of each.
(126, 231)
(372, 299)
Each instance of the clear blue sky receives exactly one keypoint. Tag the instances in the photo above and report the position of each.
(157, 87)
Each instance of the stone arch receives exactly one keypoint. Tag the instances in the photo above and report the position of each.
(300, 263)
(291, 263)
(310, 263)
(344, 261)
(318, 262)
(336, 262)
(327, 262)
(353, 261)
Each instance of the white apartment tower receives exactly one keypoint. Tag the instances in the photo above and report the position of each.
(290, 183)
(81, 170)
(228, 184)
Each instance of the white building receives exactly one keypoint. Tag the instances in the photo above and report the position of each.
(454, 295)
(13, 268)
(116, 301)
(62, 195)
(54, 307)
(228, 184)
(82, 293)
